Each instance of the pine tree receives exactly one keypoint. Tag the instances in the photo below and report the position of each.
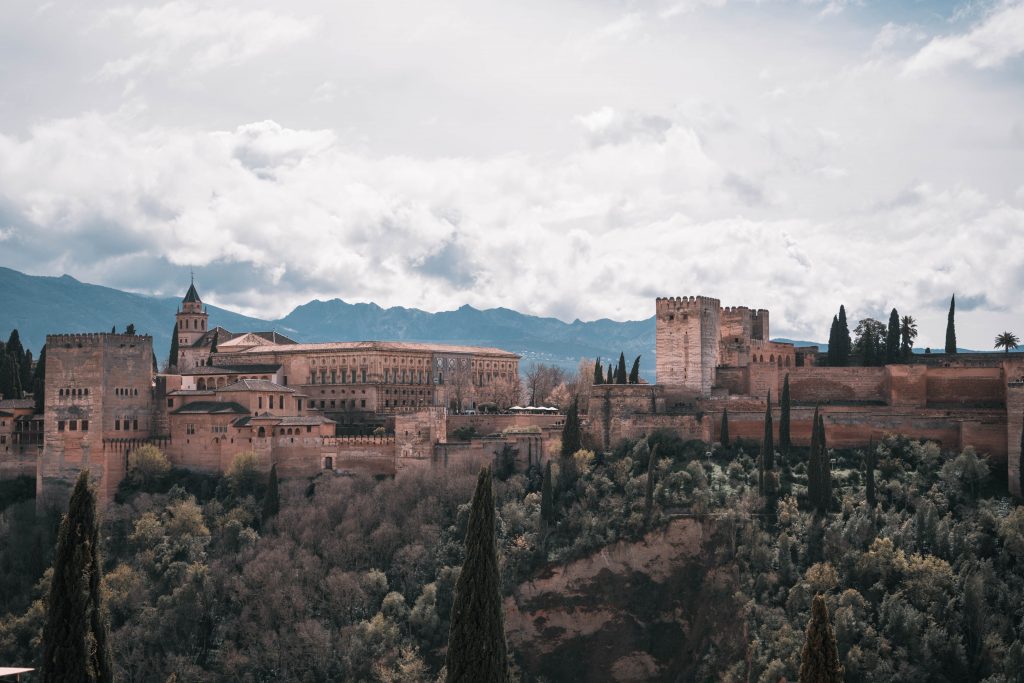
(834, 348)
(892, 339)
(819, 661)
(39, 382)
(571, 436)
(172, 357)
(768, 441)
(951, 327)
(76, 646)
(724, 437)
(547, 502)
(620, 372)
(649, 494)
(476, 640)
(598, 371)
(784, 409)
(271, 500)
(843, 337)
(634, 373)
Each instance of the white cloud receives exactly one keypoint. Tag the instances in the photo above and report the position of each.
(998, 38)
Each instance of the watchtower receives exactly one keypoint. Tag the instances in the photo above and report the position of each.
(191, 320)
(687, 342)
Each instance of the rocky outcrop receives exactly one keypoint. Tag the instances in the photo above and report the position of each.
(634, 611)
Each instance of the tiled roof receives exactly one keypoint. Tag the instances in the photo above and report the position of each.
(255, 385)
(14, 403)
(224, 336)
(253, 368)
(211, 408)
(191, 392)
(388, 346)
(287, 421)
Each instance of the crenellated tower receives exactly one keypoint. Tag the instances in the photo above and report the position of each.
(687, 342)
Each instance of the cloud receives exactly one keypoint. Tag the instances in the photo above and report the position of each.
(996, 39)
(202, 37)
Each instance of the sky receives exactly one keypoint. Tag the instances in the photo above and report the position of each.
(566, 158)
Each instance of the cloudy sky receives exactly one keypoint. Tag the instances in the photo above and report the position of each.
(573, 158)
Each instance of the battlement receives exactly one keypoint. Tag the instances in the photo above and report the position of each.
(81, 339)
(685, 304)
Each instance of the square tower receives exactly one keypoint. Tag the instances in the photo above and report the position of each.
(99, 403)
(686, 342)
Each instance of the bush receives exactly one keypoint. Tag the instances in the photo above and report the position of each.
(244, 474)
(147, 467)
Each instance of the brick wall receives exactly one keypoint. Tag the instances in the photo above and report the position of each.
(830, 385)
(966, 386)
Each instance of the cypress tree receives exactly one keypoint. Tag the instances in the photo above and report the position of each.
(634, 373)
(843, 337)
(869, 476)
(819, 661)
(476, 641)
(547, 502)
(213, 345)
(130, 330)
(571, 437)
(598, 371)
(784, 409)
(620, 372)
(75, 640)
(649, 494)
(25, 379)
(768, 442)
(892, 339)
(272, 500)
(39, 382)
(951, 327)
(815, 468)
(10, 377)
(1020, 463)
(724, 438)
(610, 377)
(172, 357)
(14, 347)
(834, 349)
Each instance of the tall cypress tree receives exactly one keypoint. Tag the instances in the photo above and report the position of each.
(816, 468)
(634, 373)
(768, 442)
(834, 348)
(476, 641)
(610, 377)
(39, 382)
(571, 436)
(869, 476)
(271, 500)
(951, 326)
(76, 646)
(10, 377)
(784, 409)
(892, 339)
(14, 348)
(25, 368)
(598, 371)
(620, 372)
(547, 501)
(724, 438)
(819, 661)
(843, 337)
(649, 493)
(172, 357)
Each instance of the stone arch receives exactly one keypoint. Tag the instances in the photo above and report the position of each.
(201, 384)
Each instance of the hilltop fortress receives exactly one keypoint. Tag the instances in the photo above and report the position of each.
(293, 404)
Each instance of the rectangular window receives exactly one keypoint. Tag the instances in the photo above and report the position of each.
(117, 425)
(285, 380)
(362, 403)
(280, 402)
(85, 425)
(73, 425)
(135, 425)
(170, 403)
(60, 425)
(190, 428)
(260, 401)
(299, 405)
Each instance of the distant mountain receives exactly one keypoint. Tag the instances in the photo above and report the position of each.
(38, 306)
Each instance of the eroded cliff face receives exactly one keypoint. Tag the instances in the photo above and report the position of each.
(634, 611)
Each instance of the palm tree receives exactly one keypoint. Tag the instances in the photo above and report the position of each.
(1007, 341)
(908, 333)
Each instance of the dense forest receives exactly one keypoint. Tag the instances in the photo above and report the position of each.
(353, 577)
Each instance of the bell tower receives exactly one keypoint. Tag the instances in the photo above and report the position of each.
(191, 319)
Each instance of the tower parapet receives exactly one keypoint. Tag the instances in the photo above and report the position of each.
(686, 342)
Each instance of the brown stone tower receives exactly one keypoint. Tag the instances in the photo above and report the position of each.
(99, 404)
(191, 322)
(687, 342)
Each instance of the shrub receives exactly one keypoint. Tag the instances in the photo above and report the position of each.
(147, 466)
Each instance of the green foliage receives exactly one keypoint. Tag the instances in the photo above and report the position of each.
(892, 339)
(476, 642)
(572, 435)
(464, 433)
(172, 357)
(505, 462)
(785, 442)
(598, 371)
(76, 646)
(147, 467)
(870, 344)
(634, 372)
(908, 333)
(271, 499)
(620, 372)
(39, 382)
(951, 326)
(819, 662)
(244, 474)
(724, 432)
(843, 337)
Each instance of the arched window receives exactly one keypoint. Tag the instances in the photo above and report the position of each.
(261, 432)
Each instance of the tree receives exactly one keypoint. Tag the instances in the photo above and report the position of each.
(25, 378)
(869, 477)
(1020, 462)
(598, 371)
(819, 661)
(476, 640)
(172, 357)
(572, 438)
(541, 379)
(14, 348)
(784, 410)
(213, 348)
(908, 333)
(892, 339)
(1007, 341)
(649, 493)
(39, 382)
(843, 337)
(634, 373)
(147, 465)
(768, 441)
(610, 377)
(819, 475)
(547, 502)
(76, 646)
(271, 500)
(834, 348)
(870, 342)
(724, 437)
(130, 330)
(620, 371)
(951, 326)
(10, 377)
